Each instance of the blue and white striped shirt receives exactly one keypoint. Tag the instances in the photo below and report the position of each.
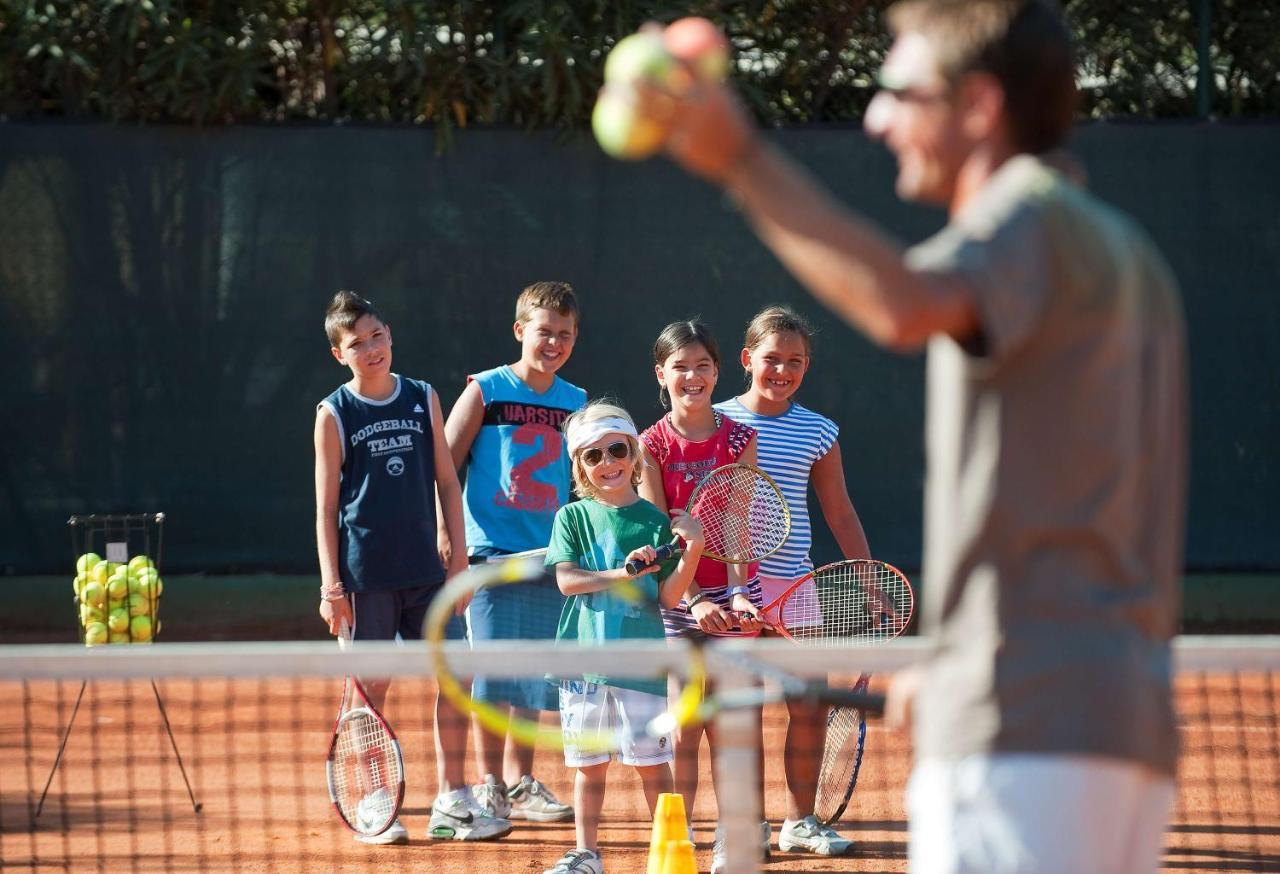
(787, 447)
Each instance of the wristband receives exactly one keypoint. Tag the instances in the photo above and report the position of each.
(701, 596)
(739, 590)
(332, 593)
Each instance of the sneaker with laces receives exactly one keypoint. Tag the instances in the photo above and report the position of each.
(718, 860)
(456, 816)
(809, 836)
(578, 861)
(492, 797)
(395, 834)
(533, 801)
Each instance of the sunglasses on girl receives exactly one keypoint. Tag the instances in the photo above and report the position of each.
(593, 456)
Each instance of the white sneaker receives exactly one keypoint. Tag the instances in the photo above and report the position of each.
(456, 816)
(492, 797)
(718, 859)
(395, 834)
(578, 861)
(532, 801)
(809, 836)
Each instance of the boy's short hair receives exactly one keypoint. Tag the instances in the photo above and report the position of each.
(1024, 44)
(594, 412)
(344, 310)
(556, 296)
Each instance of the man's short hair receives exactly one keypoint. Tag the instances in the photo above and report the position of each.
(1024, 44)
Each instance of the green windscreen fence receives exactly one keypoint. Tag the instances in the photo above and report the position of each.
(162, 292)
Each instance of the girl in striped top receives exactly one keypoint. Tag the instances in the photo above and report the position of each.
(680, 449)
(796, 446)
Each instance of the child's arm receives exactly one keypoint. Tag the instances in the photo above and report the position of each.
(334, 606)
(573, 580)
(448, 494)
(650, 487)
(673, 587)
(748, 618)
(827, 476)
(460, 432)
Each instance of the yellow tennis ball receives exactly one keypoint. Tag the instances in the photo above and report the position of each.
(138, 562)
(119, 637)
(639, 56)
(621, 128)
(95, 633)
(100, 572)
(117, 587)
(94, 594)
(86, 562)
(150, 586)
(118, 619)
(140, 628)
(80, 581)
(139, 605)
(90, 615)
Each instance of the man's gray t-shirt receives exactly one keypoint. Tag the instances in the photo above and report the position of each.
(1054, 508)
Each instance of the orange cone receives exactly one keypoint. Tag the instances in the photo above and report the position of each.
(669, 824)
(679, 858)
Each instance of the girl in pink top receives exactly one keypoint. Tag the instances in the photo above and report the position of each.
(679, 450)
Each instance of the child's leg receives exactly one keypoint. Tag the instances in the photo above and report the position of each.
(802, 755)
(518, 758)
(451, 745)
(588, 801)
(488, 751)
(656, 780)
(688, 745)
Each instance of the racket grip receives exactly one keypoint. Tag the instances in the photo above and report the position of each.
(664, 552)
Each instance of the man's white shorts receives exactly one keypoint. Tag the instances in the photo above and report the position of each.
(594, 708)
(1036, 814)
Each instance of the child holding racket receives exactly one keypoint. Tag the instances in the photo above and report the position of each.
(504, 433)
(591, 542)
(680, 449)
(796, 447)
(381, 463)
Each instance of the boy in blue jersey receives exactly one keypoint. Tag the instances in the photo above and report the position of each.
(381, 463)
(504, 431)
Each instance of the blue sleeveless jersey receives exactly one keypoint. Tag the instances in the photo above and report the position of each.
(518, 469)
(386, 499)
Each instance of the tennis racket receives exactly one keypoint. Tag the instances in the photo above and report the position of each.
(365, 769)
(855, 601)
(529, 569)
(744, 517)
(842, 752)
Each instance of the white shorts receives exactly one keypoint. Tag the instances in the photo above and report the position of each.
(596, 708)
(1018, 813)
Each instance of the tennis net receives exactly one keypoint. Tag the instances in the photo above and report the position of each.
(241, 733)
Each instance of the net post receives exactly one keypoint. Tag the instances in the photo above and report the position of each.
(738, 774)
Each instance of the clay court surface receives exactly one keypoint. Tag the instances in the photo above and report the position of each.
(255, 753)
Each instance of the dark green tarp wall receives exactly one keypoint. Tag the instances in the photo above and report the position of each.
(161, 294)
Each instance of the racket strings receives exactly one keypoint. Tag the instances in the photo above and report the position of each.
(744, 517)
(850, 602)
(368, 771)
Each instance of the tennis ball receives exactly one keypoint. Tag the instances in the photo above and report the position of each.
(139, 605)
(87, 562)
(150, 586)
(639, 56)
(140, 628)
(90, 615)
(138, 562)
(119, 637)
(95, 633)
(701, 45)
(118, 619)
(117, 587)
(100, 572)
(94, 594)
(81, 580)
(621, 129)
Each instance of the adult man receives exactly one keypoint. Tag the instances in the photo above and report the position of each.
(1056, 437)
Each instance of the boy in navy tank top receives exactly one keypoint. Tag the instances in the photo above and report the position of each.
(505, 433)
(381, 461)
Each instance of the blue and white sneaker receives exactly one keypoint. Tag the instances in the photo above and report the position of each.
(457, 816)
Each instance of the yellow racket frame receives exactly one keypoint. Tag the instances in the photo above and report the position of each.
(498, 720)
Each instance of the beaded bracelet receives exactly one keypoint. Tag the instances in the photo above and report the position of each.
(701, 596)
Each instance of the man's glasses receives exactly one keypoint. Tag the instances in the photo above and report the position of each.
(593, 456)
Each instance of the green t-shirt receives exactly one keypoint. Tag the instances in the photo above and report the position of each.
(596, 537)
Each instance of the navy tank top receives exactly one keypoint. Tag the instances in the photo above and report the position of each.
(386, 499)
